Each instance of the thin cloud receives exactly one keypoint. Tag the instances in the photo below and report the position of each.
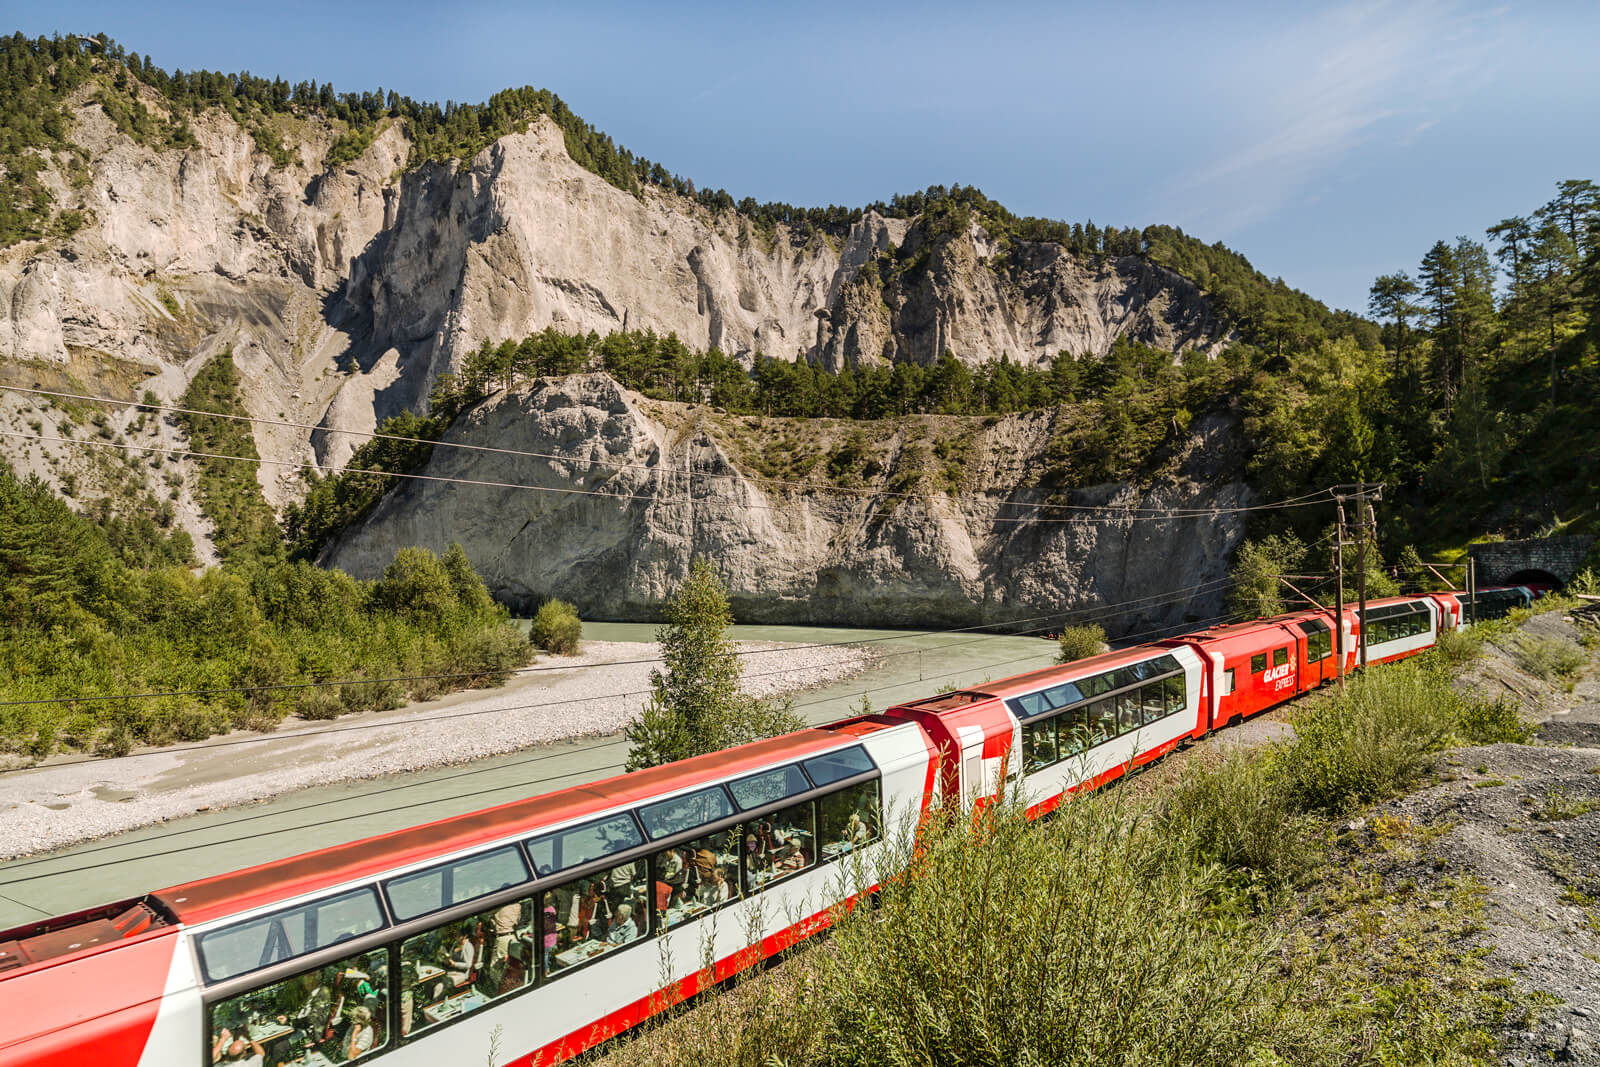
(1346, 76)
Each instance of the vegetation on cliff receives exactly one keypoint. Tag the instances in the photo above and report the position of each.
(82, 618)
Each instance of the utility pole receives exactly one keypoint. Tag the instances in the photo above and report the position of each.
(1366, 525)
(1338, 592)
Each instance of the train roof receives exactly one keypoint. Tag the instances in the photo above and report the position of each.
(243, 890)
(1032, 680)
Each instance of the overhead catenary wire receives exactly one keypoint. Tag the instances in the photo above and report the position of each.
(594, 771)
(1108, 509)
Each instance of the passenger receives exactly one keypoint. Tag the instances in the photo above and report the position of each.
(592, 913)
(623, 930)
(463, 956)
(515, 973)
(357, 1040)
(243, 1050)
(312, 1015)
(792, 857)
(622, 880)
(716, 889)
(506, 921)
(673, 871)
(552, 936)
(857, 832)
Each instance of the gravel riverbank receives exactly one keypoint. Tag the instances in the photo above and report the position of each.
(594, 693)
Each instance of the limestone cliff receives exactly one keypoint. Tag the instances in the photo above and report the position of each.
(623, 492)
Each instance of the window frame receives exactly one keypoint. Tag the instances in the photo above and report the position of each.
(1258, 663)
(1086, 711)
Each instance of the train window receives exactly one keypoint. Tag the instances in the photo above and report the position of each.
(837, 766)
(779, 845)
(1039, 745)
(596, 915)
(1280, 656)
(412, 895)
(1072, 731)
(333, 1014)
(1028, 705)
(1128, 714)
(1062, 695)
(691, 879)
(849, 820)
(668, 817)
(768, 787)
(1093, 687)
(1227, 681)
(1102, 720)
(463, 965)
(577, 846)
(1173, 687)
(283, 935)
(1153, 701)
(1258, 663)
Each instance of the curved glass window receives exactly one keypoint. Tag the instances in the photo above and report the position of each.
(283, 935)
(456, 882)
(577, 846)
(837, 766)
(668, 817)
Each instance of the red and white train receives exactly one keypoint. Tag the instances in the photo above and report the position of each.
(544, 926)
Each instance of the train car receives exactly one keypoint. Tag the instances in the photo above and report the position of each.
(1253, 666)
(1079, 725)
(1397, 627)
(552, 922)
(1462, 609)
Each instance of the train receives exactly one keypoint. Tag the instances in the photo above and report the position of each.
(545, 926)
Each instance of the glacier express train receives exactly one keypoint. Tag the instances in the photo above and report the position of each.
(547, 925)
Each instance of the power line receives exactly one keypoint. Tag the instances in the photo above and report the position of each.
(1158, 514)
(557, 457)
(411, 785)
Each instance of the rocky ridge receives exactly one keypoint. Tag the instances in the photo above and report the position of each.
(344, 292)
(602, 497)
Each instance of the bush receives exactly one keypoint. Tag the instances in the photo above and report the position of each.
(1458, 647)
(489, 656)
(1370, 741)
(1012, 942)
(1485, 722)
(1546, 658)
(1236, 814)
(319, 704)
(556, 628)
(1081, 642)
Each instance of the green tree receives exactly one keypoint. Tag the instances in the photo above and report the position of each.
(1080, 642)
(696, 705)
(1257, 568)
(556, 628)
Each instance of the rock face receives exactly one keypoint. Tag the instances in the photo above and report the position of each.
(623, 492)
(344, 292)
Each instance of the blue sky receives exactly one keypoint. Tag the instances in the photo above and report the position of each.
(1328, 143)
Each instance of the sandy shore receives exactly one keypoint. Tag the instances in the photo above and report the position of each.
(594, 693)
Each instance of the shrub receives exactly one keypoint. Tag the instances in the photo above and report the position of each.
(556, 628)
(1370, 741)
(489, 656)
(1058, 920)
(1546, 658)
(1081, 642)
(1458, 647)
(319, 704)
(1486, 722)
(1236, 814)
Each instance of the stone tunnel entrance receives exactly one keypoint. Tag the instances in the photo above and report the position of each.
(1533, 576)
(1552, 561)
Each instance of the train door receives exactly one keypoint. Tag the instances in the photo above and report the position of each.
(1318, 666)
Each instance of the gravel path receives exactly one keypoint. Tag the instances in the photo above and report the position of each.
(52, 806)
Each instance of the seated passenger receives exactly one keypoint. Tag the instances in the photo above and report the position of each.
(792, 856)
(623, 930)
(715, 889)
(244, 1050)
(357, 1040)
(672, 869)
(462, 956)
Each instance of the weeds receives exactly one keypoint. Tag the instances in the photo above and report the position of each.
(1545, 658)
(1485, 722)
(1559, 805)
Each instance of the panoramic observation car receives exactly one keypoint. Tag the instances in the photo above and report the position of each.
(561, 920)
